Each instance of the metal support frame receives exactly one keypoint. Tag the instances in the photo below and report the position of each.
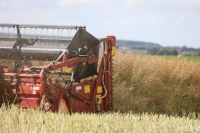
(42, 26)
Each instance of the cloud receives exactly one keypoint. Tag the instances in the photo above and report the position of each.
(127, 21)
(180, 19)
(33, 16)
(153, 20)
(2, 4)
(193, 1)
(131, 3)
(76, 2)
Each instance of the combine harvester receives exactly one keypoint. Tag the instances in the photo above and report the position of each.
(44, 66)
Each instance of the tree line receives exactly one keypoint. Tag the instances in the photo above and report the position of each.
(163, 51)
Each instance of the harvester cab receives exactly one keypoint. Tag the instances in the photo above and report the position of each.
(55, 68)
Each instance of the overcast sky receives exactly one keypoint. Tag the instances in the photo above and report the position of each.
(167, 22)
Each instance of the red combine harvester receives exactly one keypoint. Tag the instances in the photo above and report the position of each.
(44, 66)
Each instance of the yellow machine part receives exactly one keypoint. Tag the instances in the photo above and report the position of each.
(66, 69)
(99, 89)
(113, 51)
(98, 99)
(87, 88)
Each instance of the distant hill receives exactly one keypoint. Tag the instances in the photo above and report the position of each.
(137, 45)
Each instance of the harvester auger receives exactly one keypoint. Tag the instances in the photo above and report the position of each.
(48, 69)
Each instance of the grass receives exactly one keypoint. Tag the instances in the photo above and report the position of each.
(35, 121)
(192, 58)
(179, 57)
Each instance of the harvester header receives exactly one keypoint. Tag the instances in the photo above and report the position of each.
(56, 68)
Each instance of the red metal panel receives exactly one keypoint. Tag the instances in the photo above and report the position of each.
(81, 96)
(29, 102)
(30, 89)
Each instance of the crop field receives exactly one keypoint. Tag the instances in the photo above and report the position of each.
(156, 84)
(151, 94)
(187, 58)
(35, 121)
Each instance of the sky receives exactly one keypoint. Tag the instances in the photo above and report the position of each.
(166, 22)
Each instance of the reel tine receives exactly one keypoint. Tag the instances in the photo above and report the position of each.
(40, 34)
(46, 36)
(2, 31)
(11, 36)
(30, 32)
(35, 32)
(52, 37)
(58, 34)
(24, 31)
(2, 34)
(61, 35)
